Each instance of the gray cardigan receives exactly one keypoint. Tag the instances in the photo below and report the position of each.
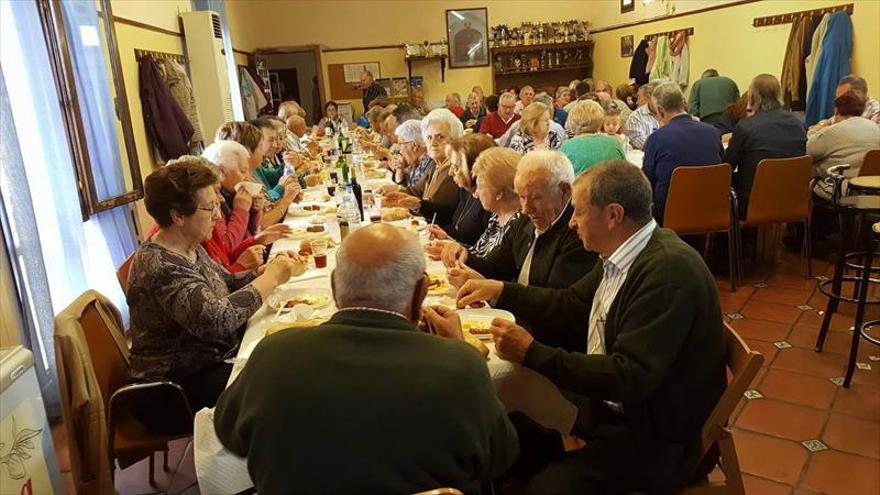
(845, 142)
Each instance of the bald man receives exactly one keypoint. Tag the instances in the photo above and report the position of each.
(366, 403)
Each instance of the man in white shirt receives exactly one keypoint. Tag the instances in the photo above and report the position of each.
(654, 365)
(643, 121)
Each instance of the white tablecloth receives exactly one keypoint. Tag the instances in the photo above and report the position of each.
(518, 388)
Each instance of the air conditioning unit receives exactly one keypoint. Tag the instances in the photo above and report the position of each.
(209, 71)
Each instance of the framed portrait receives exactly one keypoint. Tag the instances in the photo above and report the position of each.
(627, 6)
(467, 32)
(626, 46)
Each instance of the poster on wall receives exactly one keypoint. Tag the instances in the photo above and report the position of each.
(466, 30)
(353, 71)
(626, 46)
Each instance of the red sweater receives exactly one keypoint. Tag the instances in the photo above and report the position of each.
(494, 126)
(216, 251)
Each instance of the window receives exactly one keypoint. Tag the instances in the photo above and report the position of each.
(95, 111)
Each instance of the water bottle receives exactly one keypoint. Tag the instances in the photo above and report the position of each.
(347, 214)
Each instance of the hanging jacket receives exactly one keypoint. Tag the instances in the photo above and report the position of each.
(815, 50)
(639, 61)
(681, 65)
(166, 124)
(792, 63)
(652, 55)
(663, 60)
(832, 65)
(182, 92)
(801, 105)
(269, 108)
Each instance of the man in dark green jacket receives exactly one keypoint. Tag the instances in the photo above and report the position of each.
(710, 96)
(655, 361)
(366, 403)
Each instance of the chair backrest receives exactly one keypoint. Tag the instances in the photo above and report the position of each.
(871, 163)
(123, 273)
(781, 191)
(90, 369)
(441, 491)
(743, 364)
(698, 200)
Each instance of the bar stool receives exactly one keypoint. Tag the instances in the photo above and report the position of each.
(852, 210)
(865, 184)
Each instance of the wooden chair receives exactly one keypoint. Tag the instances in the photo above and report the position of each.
(700, 201)
(782, 193)
(870, 164)
(123, 273)
(100, 356)
(441, 491)
(743, 364)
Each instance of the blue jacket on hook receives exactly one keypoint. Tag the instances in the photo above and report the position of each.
(833, 65)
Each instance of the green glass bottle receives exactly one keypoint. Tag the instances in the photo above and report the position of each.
(343, 166)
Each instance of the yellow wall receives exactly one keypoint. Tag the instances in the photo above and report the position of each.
(162, 14)
(725, 39)
(346, 23)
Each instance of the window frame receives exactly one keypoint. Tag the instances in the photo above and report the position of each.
(57, 39)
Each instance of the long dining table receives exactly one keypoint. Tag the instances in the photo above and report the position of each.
(518, 388)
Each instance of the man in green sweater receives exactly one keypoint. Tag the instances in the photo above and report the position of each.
(367, 403)
(710, 96)
(655, 361)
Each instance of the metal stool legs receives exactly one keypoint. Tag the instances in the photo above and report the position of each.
(860, 313)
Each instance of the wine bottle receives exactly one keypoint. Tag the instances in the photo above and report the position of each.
(358, 196)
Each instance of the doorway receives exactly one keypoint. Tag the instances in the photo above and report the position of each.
(295, 74)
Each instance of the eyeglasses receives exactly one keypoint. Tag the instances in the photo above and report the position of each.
(213, 209)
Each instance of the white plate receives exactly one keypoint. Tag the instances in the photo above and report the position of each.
(444, 288)
(482, 317)
(320, 298)
(408, 223)
(300, 212)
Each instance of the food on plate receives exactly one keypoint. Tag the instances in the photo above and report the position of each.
(313, 180)
(315, 229)
(395, 214)
(375, 174)
(311, 207)
(296, 233)
(415, 222)
(438, 284)
(307, 299)
(476, 344)
(476, 327)
(305, 247)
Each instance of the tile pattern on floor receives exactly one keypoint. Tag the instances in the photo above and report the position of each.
(798, 403)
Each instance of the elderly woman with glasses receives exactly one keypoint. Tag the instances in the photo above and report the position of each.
(440, 194)
(187, 312)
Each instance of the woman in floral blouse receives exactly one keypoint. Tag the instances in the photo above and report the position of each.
(187, 312)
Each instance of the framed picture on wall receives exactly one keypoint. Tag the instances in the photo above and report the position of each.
(626, 46)
(627, 6)
(466, 30)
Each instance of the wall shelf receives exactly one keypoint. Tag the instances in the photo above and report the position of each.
(532, 48)
(441, 58)
(548, 69)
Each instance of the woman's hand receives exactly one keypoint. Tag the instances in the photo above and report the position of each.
(243, 200)
(292, 190)
(434, 249)
(459, 275)
(453, 255)
(259, 202)
(252, 257)
(281, 268)
(272, 234)
(435, 232)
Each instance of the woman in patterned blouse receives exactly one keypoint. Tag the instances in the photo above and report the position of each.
(494, 170)
(186, 310)
(534, 130)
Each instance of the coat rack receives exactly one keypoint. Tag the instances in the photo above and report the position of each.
(138, 54)
(772, 20)
(670, 34)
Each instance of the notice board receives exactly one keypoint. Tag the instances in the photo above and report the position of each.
(340, 89)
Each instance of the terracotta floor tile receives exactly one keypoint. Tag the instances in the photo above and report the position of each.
(804, 491)
(839, 322)
(836, 472)
(822, 365)
(798, 388)
(869, 377)
(782, 295)
(767, 331)
(792, 281)
(756, 485)
(782, 419)
(858, 400)
(805, 337)
(768, 311)
(732, 302)
(754, 450)
(766, 349)
(853, 435)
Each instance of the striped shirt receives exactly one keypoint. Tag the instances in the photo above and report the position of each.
(615, 269)
(640, 124)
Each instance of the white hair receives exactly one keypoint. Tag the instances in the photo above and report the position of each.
(557, 165)
(443, 116)
(410, 130)
(226, 154)
(506, 96)
(388, 286)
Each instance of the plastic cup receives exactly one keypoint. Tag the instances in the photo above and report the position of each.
(319, 252)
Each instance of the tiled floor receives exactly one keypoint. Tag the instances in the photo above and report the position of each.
(799, 406)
